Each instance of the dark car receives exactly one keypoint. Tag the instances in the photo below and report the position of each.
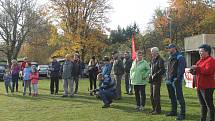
(2, 71)
(43, 70)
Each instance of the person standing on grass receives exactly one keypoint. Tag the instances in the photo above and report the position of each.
(155, 78)
(93, 70)
(139, 73)
(15, 69)
(76, 71)
(204, 70)
(26, 78)
(117, 71)
(7, 80)
(54, 69)
(127, 62)
(34, 77)
(68, 81)
(175, 71)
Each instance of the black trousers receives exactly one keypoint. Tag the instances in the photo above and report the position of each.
(140, 94)
(206, 102)
(15, 80)
(76, 80)
(54, 83)
(92, 78)
(155, 96)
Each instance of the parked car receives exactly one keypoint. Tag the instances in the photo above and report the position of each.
(2, 71)
(43, 70)
(85, 71)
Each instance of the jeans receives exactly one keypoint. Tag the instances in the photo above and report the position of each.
(155, 96)
(15, 79)
(35, 88)
(117, 79)
(206, 102)
(176, 94)
(7, 84)
(27, 84)
(140, 95)
(128, 86)
(68, 83)
(54, 82)
(107, 96)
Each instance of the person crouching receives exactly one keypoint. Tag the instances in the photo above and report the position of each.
(107, 90)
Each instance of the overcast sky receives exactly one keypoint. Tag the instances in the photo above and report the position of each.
(126, 12)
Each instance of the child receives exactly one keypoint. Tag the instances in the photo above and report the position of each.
(7, 80)
(26, 78)
(34, 77)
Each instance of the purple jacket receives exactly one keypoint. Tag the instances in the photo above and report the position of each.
(15, 69)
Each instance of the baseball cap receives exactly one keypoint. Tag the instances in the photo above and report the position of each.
(171, 46)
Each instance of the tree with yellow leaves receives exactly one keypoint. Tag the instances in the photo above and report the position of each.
(82, 25)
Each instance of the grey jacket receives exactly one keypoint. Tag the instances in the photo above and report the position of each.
(67, 70)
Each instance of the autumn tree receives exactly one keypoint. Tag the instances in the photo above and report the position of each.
(82, 24)
(16, 23)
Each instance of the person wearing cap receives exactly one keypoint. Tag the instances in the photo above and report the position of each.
(68, 82)
(117, 71)
(139, 72)
(175, 70)
(127, 62)
(204, 70)
(157, 72)
(54, 69)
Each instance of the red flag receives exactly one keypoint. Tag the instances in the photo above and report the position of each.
(133, 48)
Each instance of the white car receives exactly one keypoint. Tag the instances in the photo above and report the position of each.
(43, 70)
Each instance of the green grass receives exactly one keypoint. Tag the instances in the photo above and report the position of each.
(83, 107)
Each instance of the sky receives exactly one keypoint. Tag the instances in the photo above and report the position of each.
(126, 12)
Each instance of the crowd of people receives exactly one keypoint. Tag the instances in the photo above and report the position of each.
(137, 72)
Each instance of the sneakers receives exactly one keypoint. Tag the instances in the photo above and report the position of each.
(139, 108)
(171, 114)
(106, 106)
(180, 117)
(65, 96)
(155, 113)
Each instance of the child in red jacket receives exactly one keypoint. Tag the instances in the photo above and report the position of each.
(34, 77)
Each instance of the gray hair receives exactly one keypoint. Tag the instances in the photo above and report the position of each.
(155, 49)
(14, 61)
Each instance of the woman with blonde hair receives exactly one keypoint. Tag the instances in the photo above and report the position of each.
(15, 69)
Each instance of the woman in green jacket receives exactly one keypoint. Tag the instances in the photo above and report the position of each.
(139, 73)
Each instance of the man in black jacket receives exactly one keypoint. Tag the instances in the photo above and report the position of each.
(54, 69)
(76, 70)
(157, 71)
(127, 62)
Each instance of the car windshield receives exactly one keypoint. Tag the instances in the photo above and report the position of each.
(2, 68)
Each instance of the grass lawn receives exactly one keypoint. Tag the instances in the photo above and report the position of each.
(83, 107)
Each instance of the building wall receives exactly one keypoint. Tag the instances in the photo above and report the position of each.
(192, 44)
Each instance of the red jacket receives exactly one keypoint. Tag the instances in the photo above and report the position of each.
(205, 73)
(34, 77)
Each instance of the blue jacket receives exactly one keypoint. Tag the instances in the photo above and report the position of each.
(106, 69)
(176, 67)
(107, 84)
(26, 73)
(7, 78)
